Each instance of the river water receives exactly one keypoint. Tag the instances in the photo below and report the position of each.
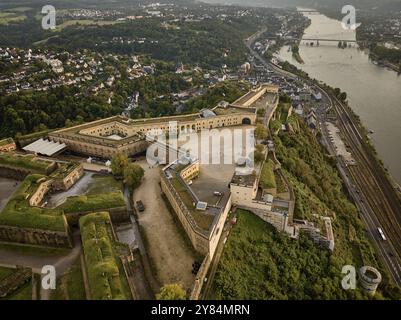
(374, 92)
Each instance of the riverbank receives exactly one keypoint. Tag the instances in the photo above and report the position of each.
(365, 132)
(372, 91)
(383, 63)
(379, 60)
(297, 57)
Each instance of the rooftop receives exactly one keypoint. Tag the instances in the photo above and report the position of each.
(45, 147)
(244, 180)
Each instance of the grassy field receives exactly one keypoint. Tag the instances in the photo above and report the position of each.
(267, 178)
(71, 285)
(104, 193)
(260, 263)
(24, 293)
(19, 9)
(104, 184)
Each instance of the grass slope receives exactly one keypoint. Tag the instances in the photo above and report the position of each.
(260, 263)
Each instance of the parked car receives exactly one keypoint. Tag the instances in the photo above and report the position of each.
(140, 206)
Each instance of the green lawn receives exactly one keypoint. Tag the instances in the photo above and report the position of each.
(267, 178)
(104, 184)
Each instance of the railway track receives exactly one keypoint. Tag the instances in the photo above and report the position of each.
(377, 191)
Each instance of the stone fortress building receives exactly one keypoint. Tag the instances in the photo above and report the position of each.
(104, 138)
(202, 220)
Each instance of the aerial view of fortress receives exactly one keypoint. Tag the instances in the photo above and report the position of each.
(27, 218)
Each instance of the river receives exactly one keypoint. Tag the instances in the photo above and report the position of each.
(374, 92)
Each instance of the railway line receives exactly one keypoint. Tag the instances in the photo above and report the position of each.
(383, 208)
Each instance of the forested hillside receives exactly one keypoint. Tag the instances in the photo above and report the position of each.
(260, 263)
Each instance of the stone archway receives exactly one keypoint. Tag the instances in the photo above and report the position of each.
(246, 121)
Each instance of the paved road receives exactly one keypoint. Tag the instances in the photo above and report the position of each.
(144, 280)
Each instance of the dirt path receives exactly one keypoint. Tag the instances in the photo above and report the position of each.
(172, 257)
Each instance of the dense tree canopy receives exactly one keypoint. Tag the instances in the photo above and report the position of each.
(171, 292)
(133, 175)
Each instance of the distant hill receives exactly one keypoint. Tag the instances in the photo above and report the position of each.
(377, 5)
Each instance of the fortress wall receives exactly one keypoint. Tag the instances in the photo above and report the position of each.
(13, 173)
(199, 242)
(117, 215)
(37, 236)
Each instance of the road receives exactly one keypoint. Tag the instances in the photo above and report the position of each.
(61, 263)
(376, 198)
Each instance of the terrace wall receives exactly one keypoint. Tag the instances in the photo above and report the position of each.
(117, 215)
(199, 240)
(200, 278)
(13, 173)
(36, 236)
(67, 182)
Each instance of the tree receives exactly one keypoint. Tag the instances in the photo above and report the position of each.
(118, 163)
(171, 292)
(343, 96)
(133, 175)
(261, 132)
(259, 154)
